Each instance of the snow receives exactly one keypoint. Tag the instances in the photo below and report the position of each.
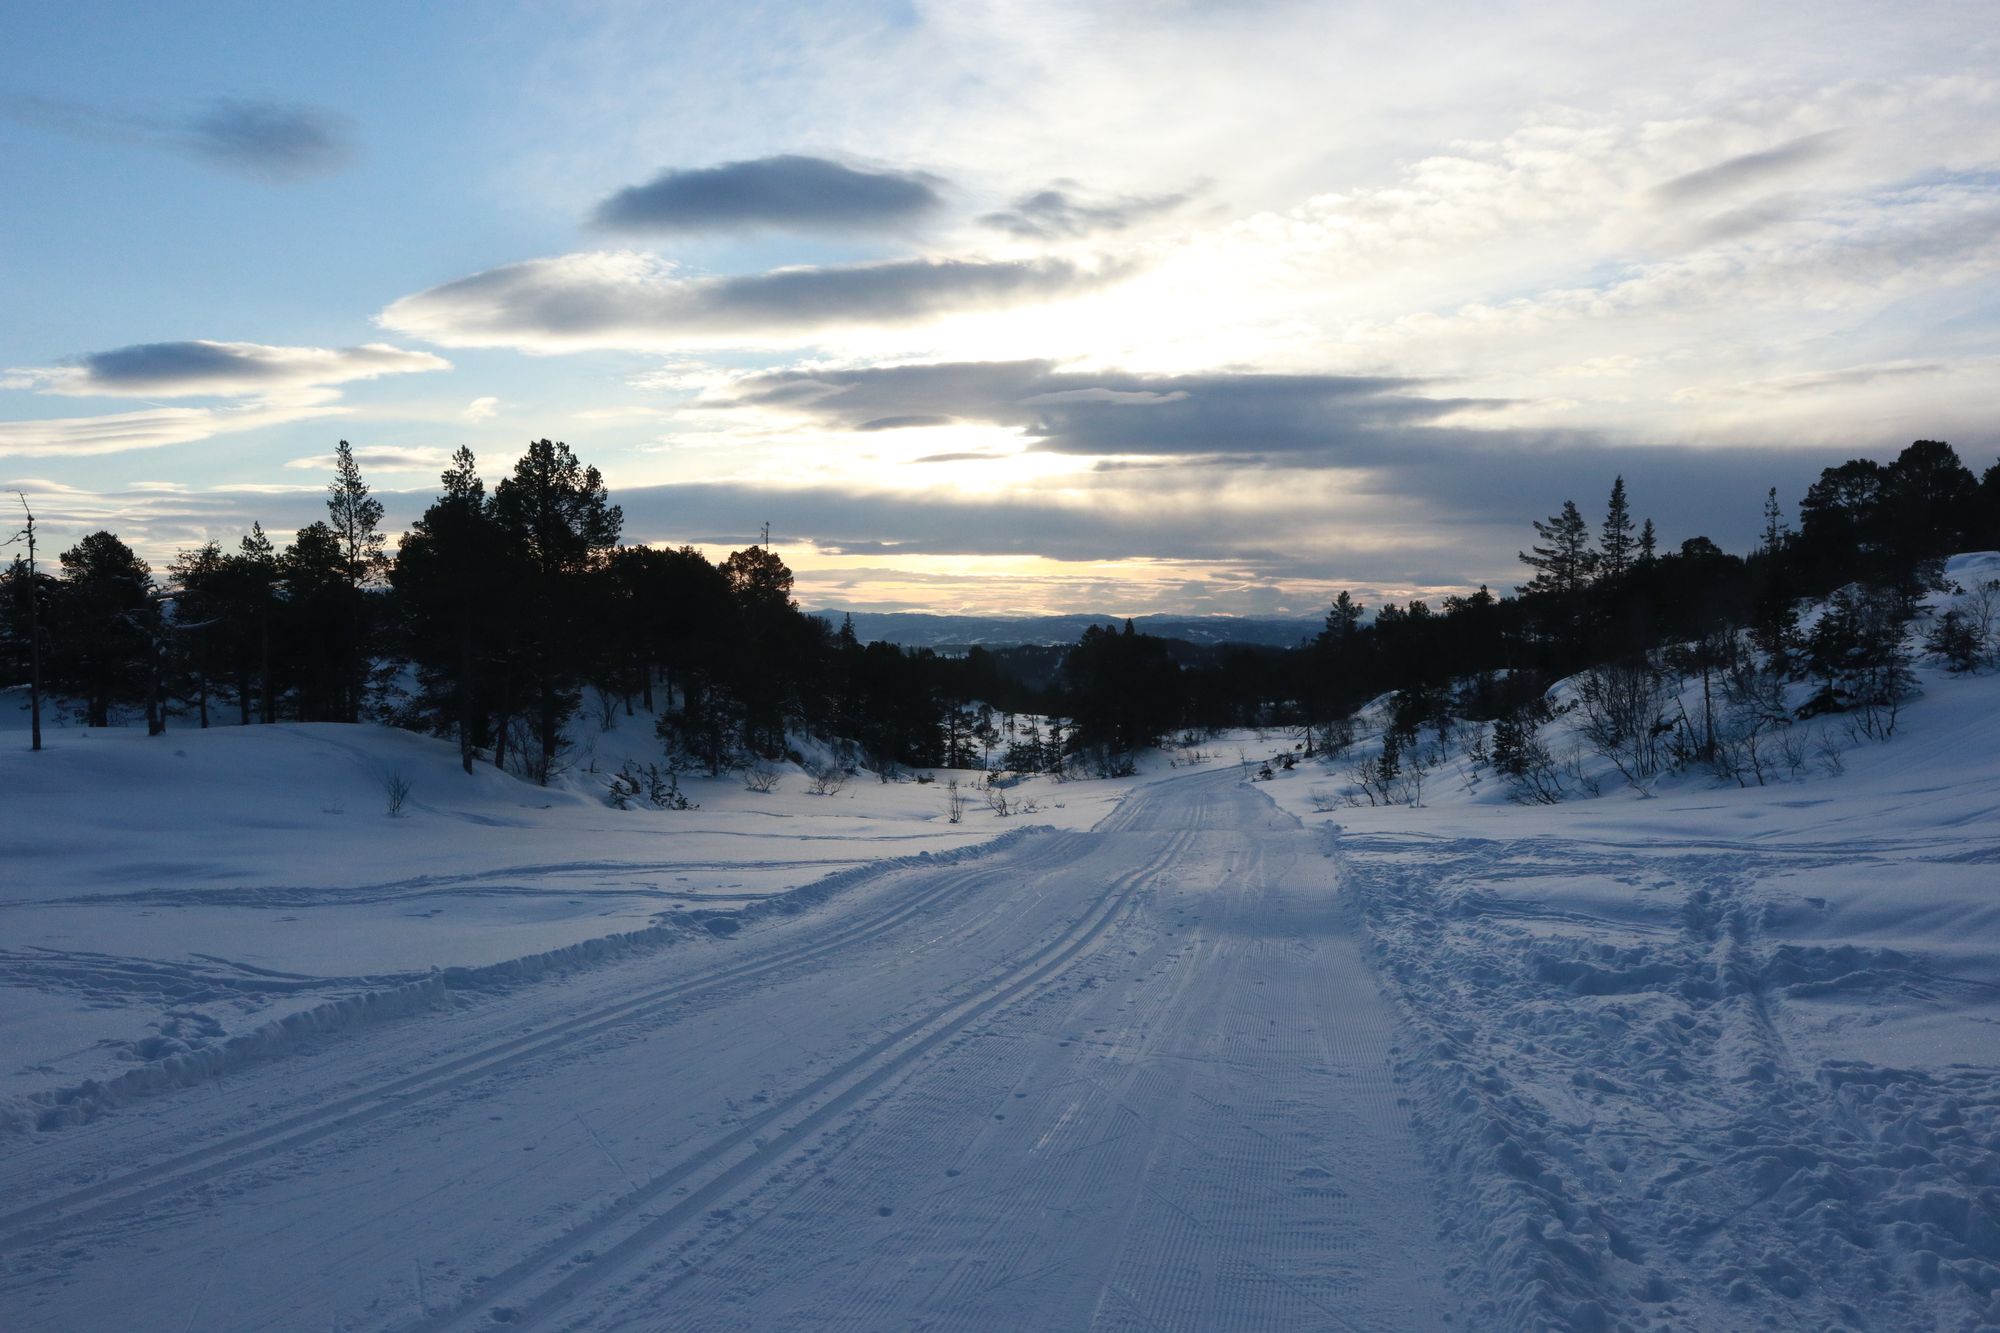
(1132, 1075)
(1709, 1056)
(167, 895)
(1202, 1055)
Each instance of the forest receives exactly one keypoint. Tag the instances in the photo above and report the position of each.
(503, 609)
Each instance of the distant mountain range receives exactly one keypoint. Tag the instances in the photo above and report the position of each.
(912, 629)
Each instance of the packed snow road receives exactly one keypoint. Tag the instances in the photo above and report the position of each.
(1136, 1077)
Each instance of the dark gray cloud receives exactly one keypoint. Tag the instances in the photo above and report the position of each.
(1435, 517)
(270, 139)
(791, 192)
(1316, 441)
(1334, 419)
(275, 141)
(205, 368)
(631, 300)
(897, 522)
(906, 422)
(147, 365)
(1059, 212)
(1749, 170)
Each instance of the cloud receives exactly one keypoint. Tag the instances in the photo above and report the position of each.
(158, 427)
(201, 368)
(270, 139)
(1057, 213)
(910, 421)
(280, 385)
(790, 192)
(383, 457)
(625, 299)
(1748, 169)
(481, 409)
(275, 141)
(1332, 419)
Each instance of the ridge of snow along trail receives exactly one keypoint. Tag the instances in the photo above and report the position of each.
(1137, 1075)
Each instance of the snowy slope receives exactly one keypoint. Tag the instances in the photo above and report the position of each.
(1720, 1057)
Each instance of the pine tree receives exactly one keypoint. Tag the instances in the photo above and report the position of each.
(1564, 561)
(1776, 533)
(1343, 618)
(453, 578)
(1649, 543)
(1616, 540)
(353, 515)
(256, 570)
(556, 514)
(201, 618)
(105, 627)
(314, 624)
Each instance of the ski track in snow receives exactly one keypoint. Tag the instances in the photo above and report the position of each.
(1132, 1078)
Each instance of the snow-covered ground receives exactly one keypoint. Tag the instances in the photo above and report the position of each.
(165, 897)
(1131, 1077)
(1713, 1057)
(1697, 1056)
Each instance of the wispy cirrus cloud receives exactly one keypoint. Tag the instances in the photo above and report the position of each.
(382, 457)
(789, 192)
(1063, 211)
(154, 428)
(1748, 170)
(275, 141)
(628, 299)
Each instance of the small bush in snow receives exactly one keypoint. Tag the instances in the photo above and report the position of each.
(1955, 640)
(1623, 718)
(954, 802)
(397, 788)
(659, 788)
(759, 777)
(826, 779)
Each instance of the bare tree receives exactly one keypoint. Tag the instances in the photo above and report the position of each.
(27, 534)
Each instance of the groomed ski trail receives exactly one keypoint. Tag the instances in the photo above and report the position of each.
(1132, 1078)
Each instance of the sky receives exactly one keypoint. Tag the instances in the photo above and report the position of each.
(1001, 308)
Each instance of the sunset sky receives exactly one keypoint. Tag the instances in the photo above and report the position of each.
(1001, 308)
